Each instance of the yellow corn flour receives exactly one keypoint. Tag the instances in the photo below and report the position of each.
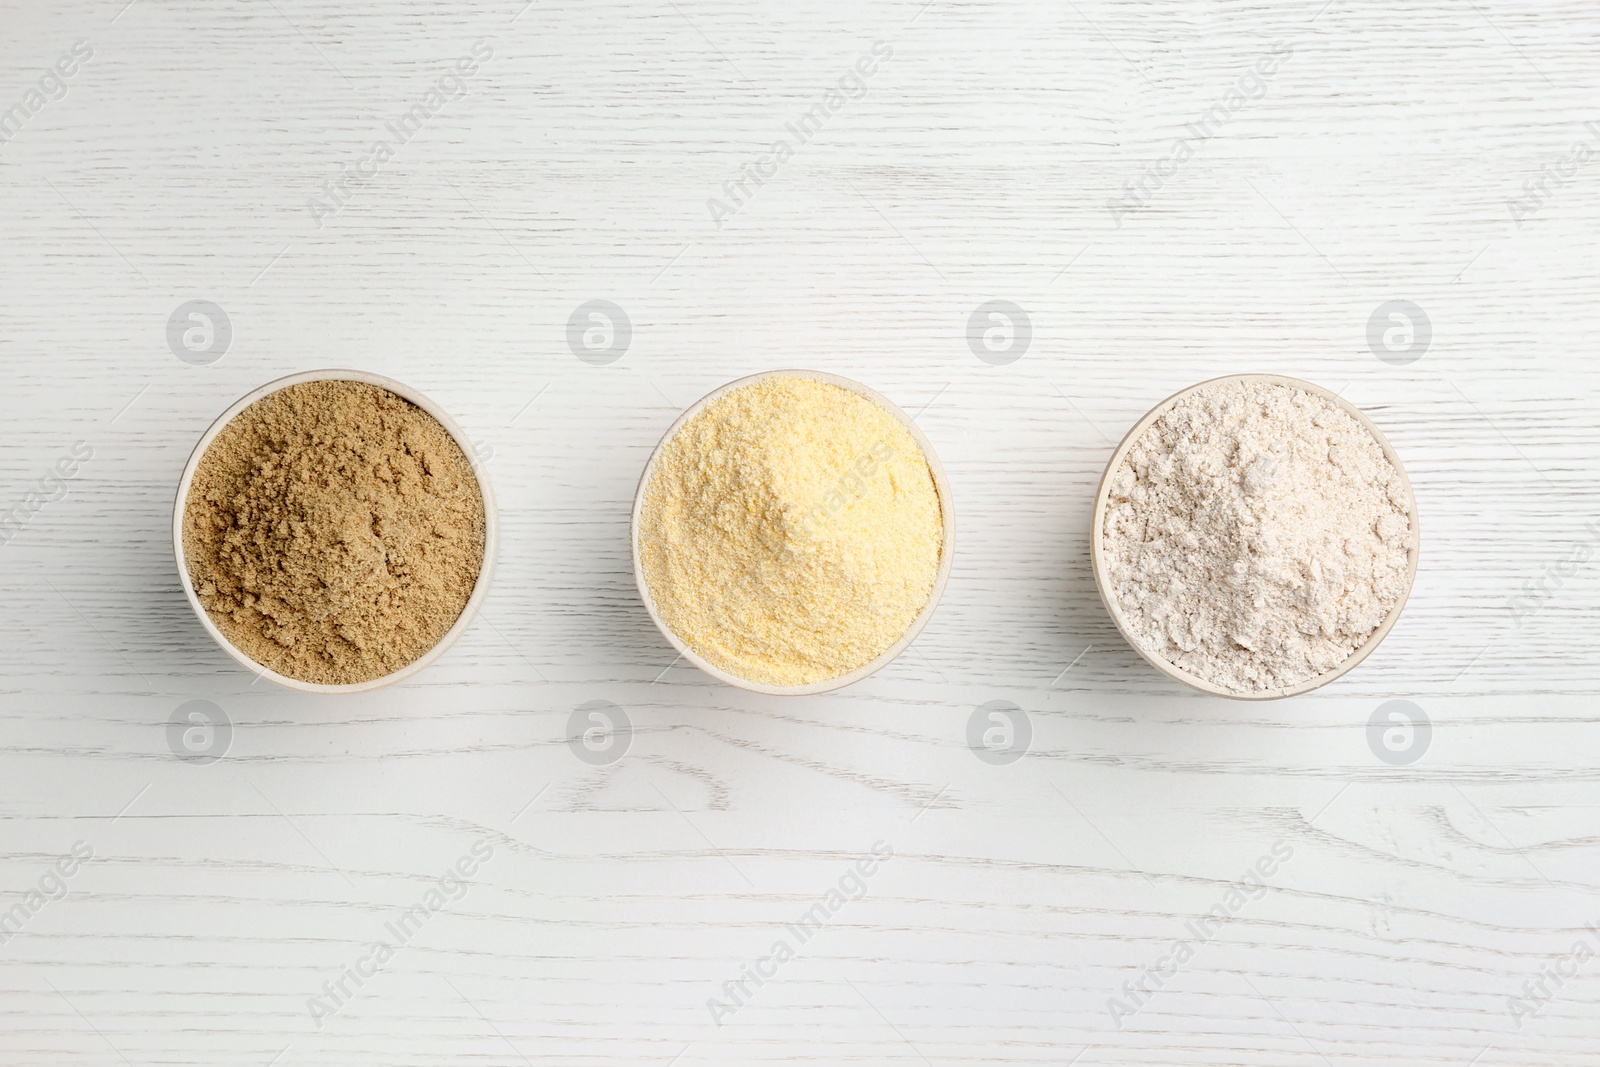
(790, 531)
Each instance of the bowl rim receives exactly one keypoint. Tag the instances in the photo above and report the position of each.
(1100, 567)
(941, 488)
(491, 532)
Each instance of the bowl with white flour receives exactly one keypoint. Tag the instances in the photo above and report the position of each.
(1254, 536)
(792, 532)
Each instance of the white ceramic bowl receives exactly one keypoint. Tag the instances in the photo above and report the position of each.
(491, 530)
(946, 555)
(1102, 578)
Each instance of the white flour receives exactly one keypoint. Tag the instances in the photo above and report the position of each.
(1256, 534)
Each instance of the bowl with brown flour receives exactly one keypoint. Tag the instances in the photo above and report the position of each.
(333, 531)
(792, 532)
(1255, 536)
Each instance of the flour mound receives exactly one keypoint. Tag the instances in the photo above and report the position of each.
(791, 532)
(334, 532)
(1256, 535)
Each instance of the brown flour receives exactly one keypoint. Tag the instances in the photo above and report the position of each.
(334, 531)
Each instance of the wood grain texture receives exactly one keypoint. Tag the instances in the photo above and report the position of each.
(1378, 161)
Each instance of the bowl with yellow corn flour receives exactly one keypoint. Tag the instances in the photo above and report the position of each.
(333, 531)
(792, 532)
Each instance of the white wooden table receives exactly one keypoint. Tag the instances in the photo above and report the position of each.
(1416, 897)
